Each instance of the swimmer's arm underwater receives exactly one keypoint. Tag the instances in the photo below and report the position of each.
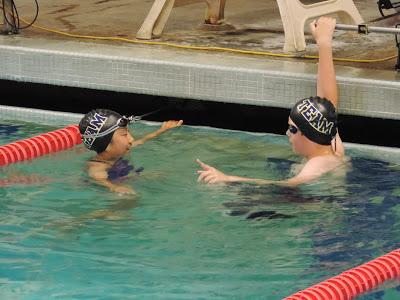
(99, 174)
(164, 127)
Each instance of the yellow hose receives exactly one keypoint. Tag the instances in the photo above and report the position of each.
(204, 48)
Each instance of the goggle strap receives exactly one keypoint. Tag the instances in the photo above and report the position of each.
(138, 118)
(134, 119)
(101, 134)
(131, 119)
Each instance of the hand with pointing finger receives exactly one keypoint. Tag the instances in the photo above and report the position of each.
(210, 174)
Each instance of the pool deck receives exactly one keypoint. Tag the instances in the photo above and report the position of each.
(38, 56)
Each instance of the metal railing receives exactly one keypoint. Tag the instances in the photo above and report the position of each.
(365, 29)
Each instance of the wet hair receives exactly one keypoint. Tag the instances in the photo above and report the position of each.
(316, 118)
(98, 126)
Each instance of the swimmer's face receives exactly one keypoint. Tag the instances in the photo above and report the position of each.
(296, 138)
(121, 142)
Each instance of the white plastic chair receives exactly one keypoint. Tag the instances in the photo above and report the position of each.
(158, 15)
(294, 14)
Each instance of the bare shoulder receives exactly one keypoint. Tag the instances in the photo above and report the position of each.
(97, 170)
(322, 164)
(318, 166)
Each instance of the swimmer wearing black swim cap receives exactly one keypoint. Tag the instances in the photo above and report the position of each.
(312, 123)
(106, 132)
(97, 128)
(316, 118)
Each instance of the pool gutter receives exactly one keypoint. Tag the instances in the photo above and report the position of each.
(203, 75)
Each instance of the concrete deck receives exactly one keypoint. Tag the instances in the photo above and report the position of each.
(35, 55)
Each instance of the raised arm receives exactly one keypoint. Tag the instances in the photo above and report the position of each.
(164, 127)
(322, 31)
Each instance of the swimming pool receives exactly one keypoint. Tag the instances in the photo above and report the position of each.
(184, 240)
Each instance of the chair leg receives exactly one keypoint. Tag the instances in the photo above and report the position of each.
(290, 26)
(163, 18)
(350, 13)
(346, 18)
(215, 11)
(156, 19)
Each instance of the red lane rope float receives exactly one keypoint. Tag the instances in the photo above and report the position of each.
(354, 282)
(45, 143)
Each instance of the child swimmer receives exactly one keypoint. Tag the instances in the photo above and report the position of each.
(106, 132)
(312, 124)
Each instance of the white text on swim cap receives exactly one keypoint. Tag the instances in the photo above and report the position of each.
(314, 117)
(94, 128)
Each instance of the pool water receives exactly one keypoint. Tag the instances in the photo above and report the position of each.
(183, 240)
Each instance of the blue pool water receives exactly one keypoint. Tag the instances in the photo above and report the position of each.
(183, 240)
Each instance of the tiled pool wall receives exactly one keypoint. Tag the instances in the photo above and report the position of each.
(61, 119)
(238, 80)
(39, 116)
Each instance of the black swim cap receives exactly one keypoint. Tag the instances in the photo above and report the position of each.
(316, 118)
(98, 126)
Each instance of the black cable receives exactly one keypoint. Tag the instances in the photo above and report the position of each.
(15, 22)
(34, 19)
(387, 4)
(397, 67)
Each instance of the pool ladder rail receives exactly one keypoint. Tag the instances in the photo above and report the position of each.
(366, 29)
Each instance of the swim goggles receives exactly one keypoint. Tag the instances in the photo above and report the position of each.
(121, 122)
(292, 129)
